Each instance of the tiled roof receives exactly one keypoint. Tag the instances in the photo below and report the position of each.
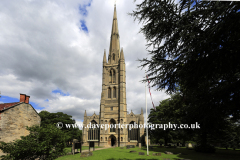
(7, 105)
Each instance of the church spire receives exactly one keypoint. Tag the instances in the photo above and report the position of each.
(114, 42)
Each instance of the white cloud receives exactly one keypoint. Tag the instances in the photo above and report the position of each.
(43, 48)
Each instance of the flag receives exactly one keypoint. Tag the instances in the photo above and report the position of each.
(150, 92)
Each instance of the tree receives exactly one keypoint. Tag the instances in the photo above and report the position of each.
(43, 142)
(195, 47)
(54, 118)
(171, 110)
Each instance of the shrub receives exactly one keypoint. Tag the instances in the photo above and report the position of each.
(43, 143)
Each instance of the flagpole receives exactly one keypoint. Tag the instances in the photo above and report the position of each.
(146, 111)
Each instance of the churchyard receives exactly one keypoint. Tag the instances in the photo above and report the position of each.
(181, 153)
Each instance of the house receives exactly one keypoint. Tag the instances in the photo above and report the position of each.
(14, 117)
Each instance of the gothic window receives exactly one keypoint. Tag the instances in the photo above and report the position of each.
(113, 56)
(112, 125)
(110, 76)
(121, 139)
(114, 77)
(109, 92)
(114, 92)
(93, 132)
(133, 133)
(101, 138)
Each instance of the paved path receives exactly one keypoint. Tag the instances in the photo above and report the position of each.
(86, 150)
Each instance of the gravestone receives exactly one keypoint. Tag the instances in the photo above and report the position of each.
(130, 146)
(91, 145)
(157, 154)
(141, 153)
(190, 145)
(139, 145)
(132, 151)
(121, 147)
(166, 152)
(86, 154)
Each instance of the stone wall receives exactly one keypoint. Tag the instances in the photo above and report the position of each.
(14, 121)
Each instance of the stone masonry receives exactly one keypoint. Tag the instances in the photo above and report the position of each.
(14, 117)
(113, 105)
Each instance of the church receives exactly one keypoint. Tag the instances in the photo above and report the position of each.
(113, 105)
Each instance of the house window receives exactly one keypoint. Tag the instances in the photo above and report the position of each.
(111, 108)
(121, 138)
(105, 138)
(101, 138)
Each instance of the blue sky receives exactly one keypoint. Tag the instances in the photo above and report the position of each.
(83, 11)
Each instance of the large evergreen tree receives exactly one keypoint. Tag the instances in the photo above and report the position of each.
(171, 110)
(195, 45)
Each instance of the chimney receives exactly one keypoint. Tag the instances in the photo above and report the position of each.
(22, 97)
(27, 99)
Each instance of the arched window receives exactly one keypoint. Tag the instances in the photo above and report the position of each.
(109, 92)
(114, 76)
(133, 133)
(93, 132)
(113, 56)
(114, 92)
(110, 76)
(112, 125)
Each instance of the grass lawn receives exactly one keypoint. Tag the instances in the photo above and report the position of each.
(124, 154)
(68, 149)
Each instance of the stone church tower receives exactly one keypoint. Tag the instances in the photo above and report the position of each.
(113, 106)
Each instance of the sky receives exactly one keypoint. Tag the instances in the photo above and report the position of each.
(53, 52)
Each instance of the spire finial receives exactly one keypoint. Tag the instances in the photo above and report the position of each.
(104, 57)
